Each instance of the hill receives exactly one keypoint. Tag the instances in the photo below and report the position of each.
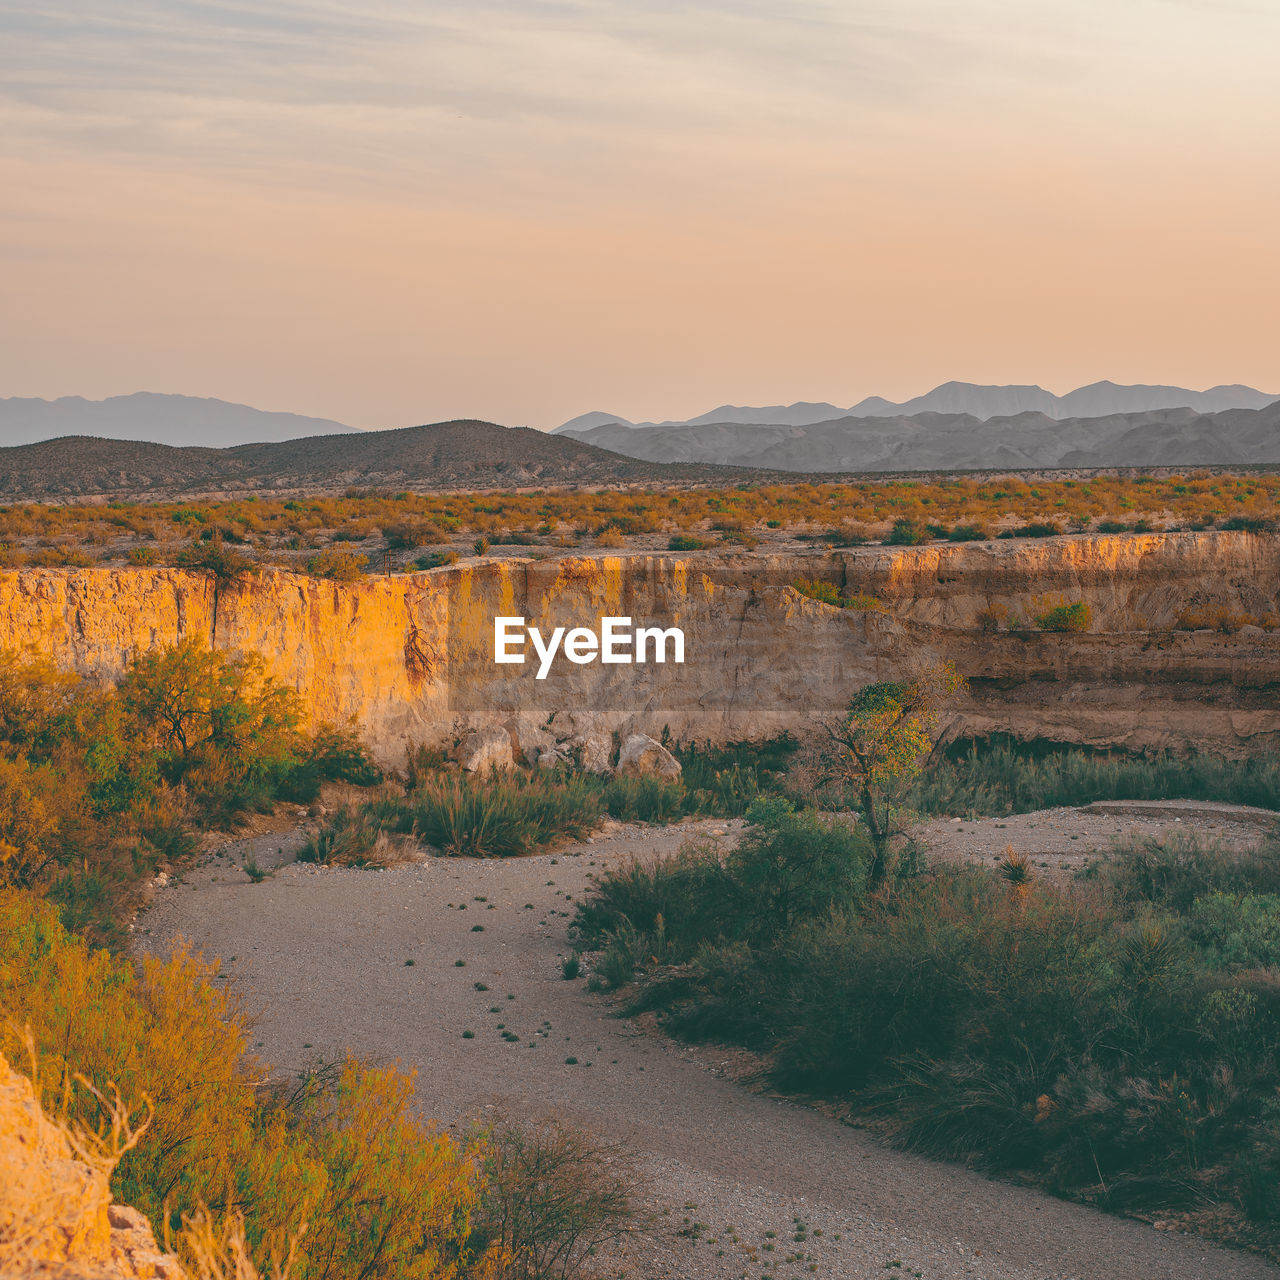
(446, 455)
(160, 419)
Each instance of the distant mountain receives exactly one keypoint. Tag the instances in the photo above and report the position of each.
(965, 397)
(585, 421)
(799, 414)
(447, 455)
(977, 401)
(160, 419)
(961, 441)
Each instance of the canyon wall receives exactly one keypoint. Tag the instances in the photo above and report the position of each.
(409, 658)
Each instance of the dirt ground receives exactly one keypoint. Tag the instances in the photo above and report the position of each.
(398, 964)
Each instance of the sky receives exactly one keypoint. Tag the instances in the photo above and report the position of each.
(390, 212)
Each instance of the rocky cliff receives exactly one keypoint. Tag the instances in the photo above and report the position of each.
(409, 658)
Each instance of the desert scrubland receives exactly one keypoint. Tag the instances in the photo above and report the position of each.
(828, 902)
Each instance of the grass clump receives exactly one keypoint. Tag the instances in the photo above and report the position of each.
(502, 816)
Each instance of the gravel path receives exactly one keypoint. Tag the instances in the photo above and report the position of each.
(737, 1183)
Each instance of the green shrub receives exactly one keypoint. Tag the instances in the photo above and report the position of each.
(1036, 529)
(905, 533)
(685, 542)
(1066, 617)
(967, 533)
(1237, 930)
(829, 593)
(95, 783)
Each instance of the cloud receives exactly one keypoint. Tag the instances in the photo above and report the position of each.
(561, 93)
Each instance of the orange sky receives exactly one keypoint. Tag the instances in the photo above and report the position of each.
(521, 211)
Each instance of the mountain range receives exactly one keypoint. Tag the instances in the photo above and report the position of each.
(1099, 399)
(961, 441)
(160, 419)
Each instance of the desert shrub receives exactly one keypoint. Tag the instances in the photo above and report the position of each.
(411, 534)
(97, 784)
(1249, 524)
(685, 542)
(1065, 617)
(724, 779)
(999, 777)
(1197, 501)
(552, 1196)
(1220, 618)
(30, 828)
(846, 535)
(967, 533)
(829, 593)
(341, 566)
(435, 559)
(825, 592)
(59, 557)
(141, 556)
(344, 1150)
(213, 554)
(905, 533)
(1236, 930)
(1122, 1053)
(1036, 529)
(794, 865)
(1173, 871)
(788, 866)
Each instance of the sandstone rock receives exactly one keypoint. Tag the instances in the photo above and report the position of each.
(409, 658)
(534, 744)
(56, 1215)
(642, 757)
(595, 751)
(485, 749)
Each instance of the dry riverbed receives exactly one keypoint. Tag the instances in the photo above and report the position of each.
(737, 1183)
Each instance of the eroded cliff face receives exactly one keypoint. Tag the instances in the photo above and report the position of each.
(409, 658)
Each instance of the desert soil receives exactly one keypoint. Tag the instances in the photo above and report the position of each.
(334, 959)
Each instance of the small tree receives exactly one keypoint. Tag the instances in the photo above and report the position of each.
(876, 748)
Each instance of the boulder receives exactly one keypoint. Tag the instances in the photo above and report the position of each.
(592, 751)
(486, 748)
(642, 757)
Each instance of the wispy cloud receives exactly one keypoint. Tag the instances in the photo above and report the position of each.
(410, 94)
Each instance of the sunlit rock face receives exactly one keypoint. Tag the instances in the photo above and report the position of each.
(410, 658)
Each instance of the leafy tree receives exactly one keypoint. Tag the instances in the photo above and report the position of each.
(192, 697)
(877, 746)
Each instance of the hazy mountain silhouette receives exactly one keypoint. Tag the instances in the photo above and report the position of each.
(161, 419)
(958, 441)
(977, 401)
